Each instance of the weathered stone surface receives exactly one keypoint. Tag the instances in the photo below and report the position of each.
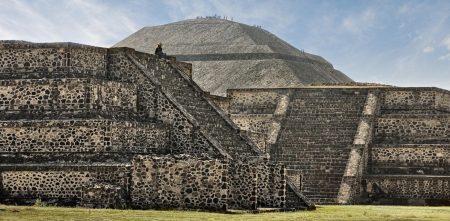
(394, 188)
(352, 143)
(128, 129)
(57, 182)
(228, 54)
(115, 128)
(310, 130)
(167, 182)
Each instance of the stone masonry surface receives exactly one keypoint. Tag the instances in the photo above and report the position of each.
(97, 127)
(351, 144)
(114, 128)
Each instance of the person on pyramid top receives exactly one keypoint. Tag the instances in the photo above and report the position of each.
(159, 51)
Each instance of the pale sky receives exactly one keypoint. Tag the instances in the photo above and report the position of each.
(397, 42)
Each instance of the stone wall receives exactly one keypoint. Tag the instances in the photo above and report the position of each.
(28, 60)
(184, 182)
(82, 136)
(418, 129)
(127, 89)
(260, 139)
(402, 132)
(153, 182)
(260, 118)
(409, 157)
(166, 182)
(415, 100)
(271, 186)
(58, 182)
(401, 99)
(430, 159)
(243, 186)
(66, 95)
(75, 117)
(104, 195)
(409, 187)
(293, 125)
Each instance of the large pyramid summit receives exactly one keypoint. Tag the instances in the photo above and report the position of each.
(227, 54)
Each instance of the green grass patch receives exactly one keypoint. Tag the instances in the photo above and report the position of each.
(376, 213)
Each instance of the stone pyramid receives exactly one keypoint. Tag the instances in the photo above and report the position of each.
(227, 54)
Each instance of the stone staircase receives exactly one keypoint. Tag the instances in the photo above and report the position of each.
(79, 124)
(77, 115)
(315, 138)
(210, 118)
(189, 96)
(409, 161)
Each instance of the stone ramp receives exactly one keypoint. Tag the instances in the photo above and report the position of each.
(315, 138)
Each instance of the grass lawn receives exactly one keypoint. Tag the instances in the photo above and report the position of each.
(378, 213)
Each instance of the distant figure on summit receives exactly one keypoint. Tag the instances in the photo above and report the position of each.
(159, 51)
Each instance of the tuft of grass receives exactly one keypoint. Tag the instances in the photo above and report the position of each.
(338, 213)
